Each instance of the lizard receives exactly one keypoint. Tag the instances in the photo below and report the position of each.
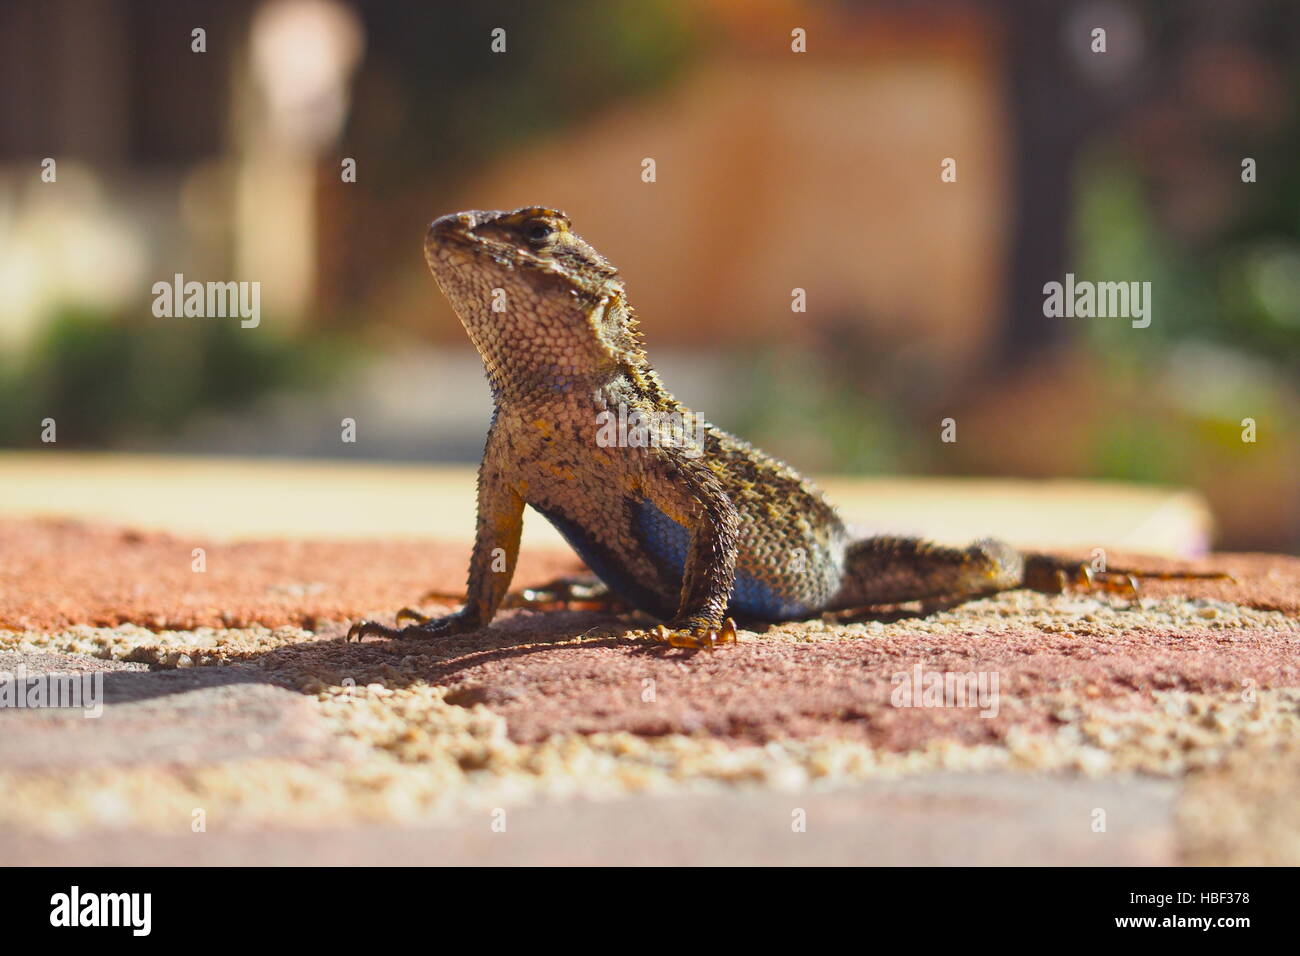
(677, 518)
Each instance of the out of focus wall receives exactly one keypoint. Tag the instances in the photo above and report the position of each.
(777, 171)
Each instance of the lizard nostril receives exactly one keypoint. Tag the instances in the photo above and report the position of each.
(448, 222)
(453, 224)
(449, 227)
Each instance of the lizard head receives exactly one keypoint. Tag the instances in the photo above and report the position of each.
(542, 306)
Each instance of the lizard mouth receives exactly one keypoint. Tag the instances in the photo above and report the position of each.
(453, 228)
(452, 242)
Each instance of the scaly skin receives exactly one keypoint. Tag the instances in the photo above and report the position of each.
(690, 527)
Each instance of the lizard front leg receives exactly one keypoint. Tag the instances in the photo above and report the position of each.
(491, 566)
(693, 497)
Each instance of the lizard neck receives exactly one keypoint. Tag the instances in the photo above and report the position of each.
(544, 384)
(582, 345)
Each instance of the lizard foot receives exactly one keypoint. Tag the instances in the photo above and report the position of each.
(1056, 576)
(709, 637)
(426, 628)
(585, 592)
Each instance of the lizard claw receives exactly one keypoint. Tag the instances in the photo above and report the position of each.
(696, 637)
(410, 614)
(362, 629)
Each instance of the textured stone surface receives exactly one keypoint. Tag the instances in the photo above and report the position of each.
(604, 747)
(178, 718)
(59, 573)
(1246, 812)
(992, 819)
(767, 689)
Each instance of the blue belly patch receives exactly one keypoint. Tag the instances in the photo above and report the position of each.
(668, 543)
(607, 566)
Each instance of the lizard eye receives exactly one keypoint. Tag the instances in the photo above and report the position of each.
(537, 232)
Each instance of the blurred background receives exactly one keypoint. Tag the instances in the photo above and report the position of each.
(775, 170)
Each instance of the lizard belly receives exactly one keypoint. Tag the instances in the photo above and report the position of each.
(656, 540)
(751, 596)
(627, 571)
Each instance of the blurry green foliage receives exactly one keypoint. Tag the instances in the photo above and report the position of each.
(1240, 290)
(433, 96)
(115, 382)
(798, 407)
(1224, 341)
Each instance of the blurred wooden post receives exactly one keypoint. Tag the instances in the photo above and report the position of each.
(1047, 121)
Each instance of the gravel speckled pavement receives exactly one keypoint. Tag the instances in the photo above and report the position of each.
(239, 727)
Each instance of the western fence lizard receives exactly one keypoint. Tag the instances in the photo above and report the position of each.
(679, 519)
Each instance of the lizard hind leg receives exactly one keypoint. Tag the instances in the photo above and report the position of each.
(582, 591)
(887, 570)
